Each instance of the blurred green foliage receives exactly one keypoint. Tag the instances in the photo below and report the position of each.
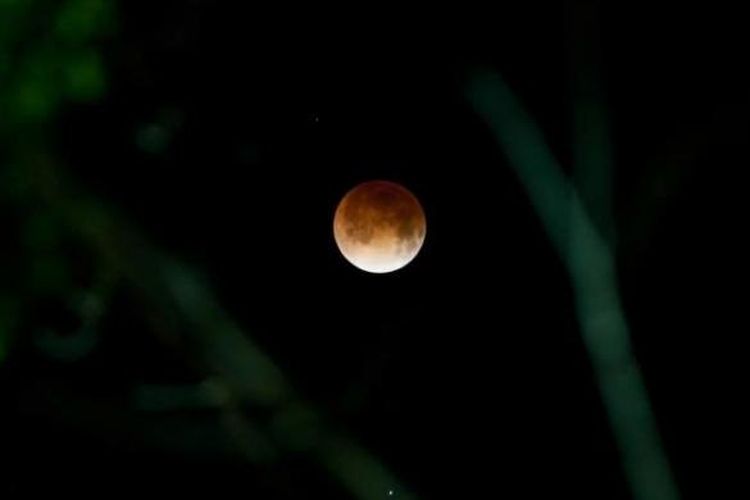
(80, 21)
(52, 56)
(61, 61)
(84, 76)
(589, 260)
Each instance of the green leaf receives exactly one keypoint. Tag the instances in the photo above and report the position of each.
(82, 20)
(84, 76)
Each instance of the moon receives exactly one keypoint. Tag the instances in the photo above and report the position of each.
(379, 226)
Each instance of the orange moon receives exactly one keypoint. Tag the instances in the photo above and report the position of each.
(379, 226)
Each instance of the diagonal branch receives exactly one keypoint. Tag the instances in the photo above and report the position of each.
(591, 267)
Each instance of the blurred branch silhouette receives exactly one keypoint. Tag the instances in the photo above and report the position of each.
(47, 209)
(589, 261)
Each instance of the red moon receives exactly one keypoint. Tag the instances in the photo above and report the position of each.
(379, 226)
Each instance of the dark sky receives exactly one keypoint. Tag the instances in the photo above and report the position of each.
(229, 135)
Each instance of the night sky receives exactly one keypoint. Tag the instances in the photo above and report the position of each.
(225, 140)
